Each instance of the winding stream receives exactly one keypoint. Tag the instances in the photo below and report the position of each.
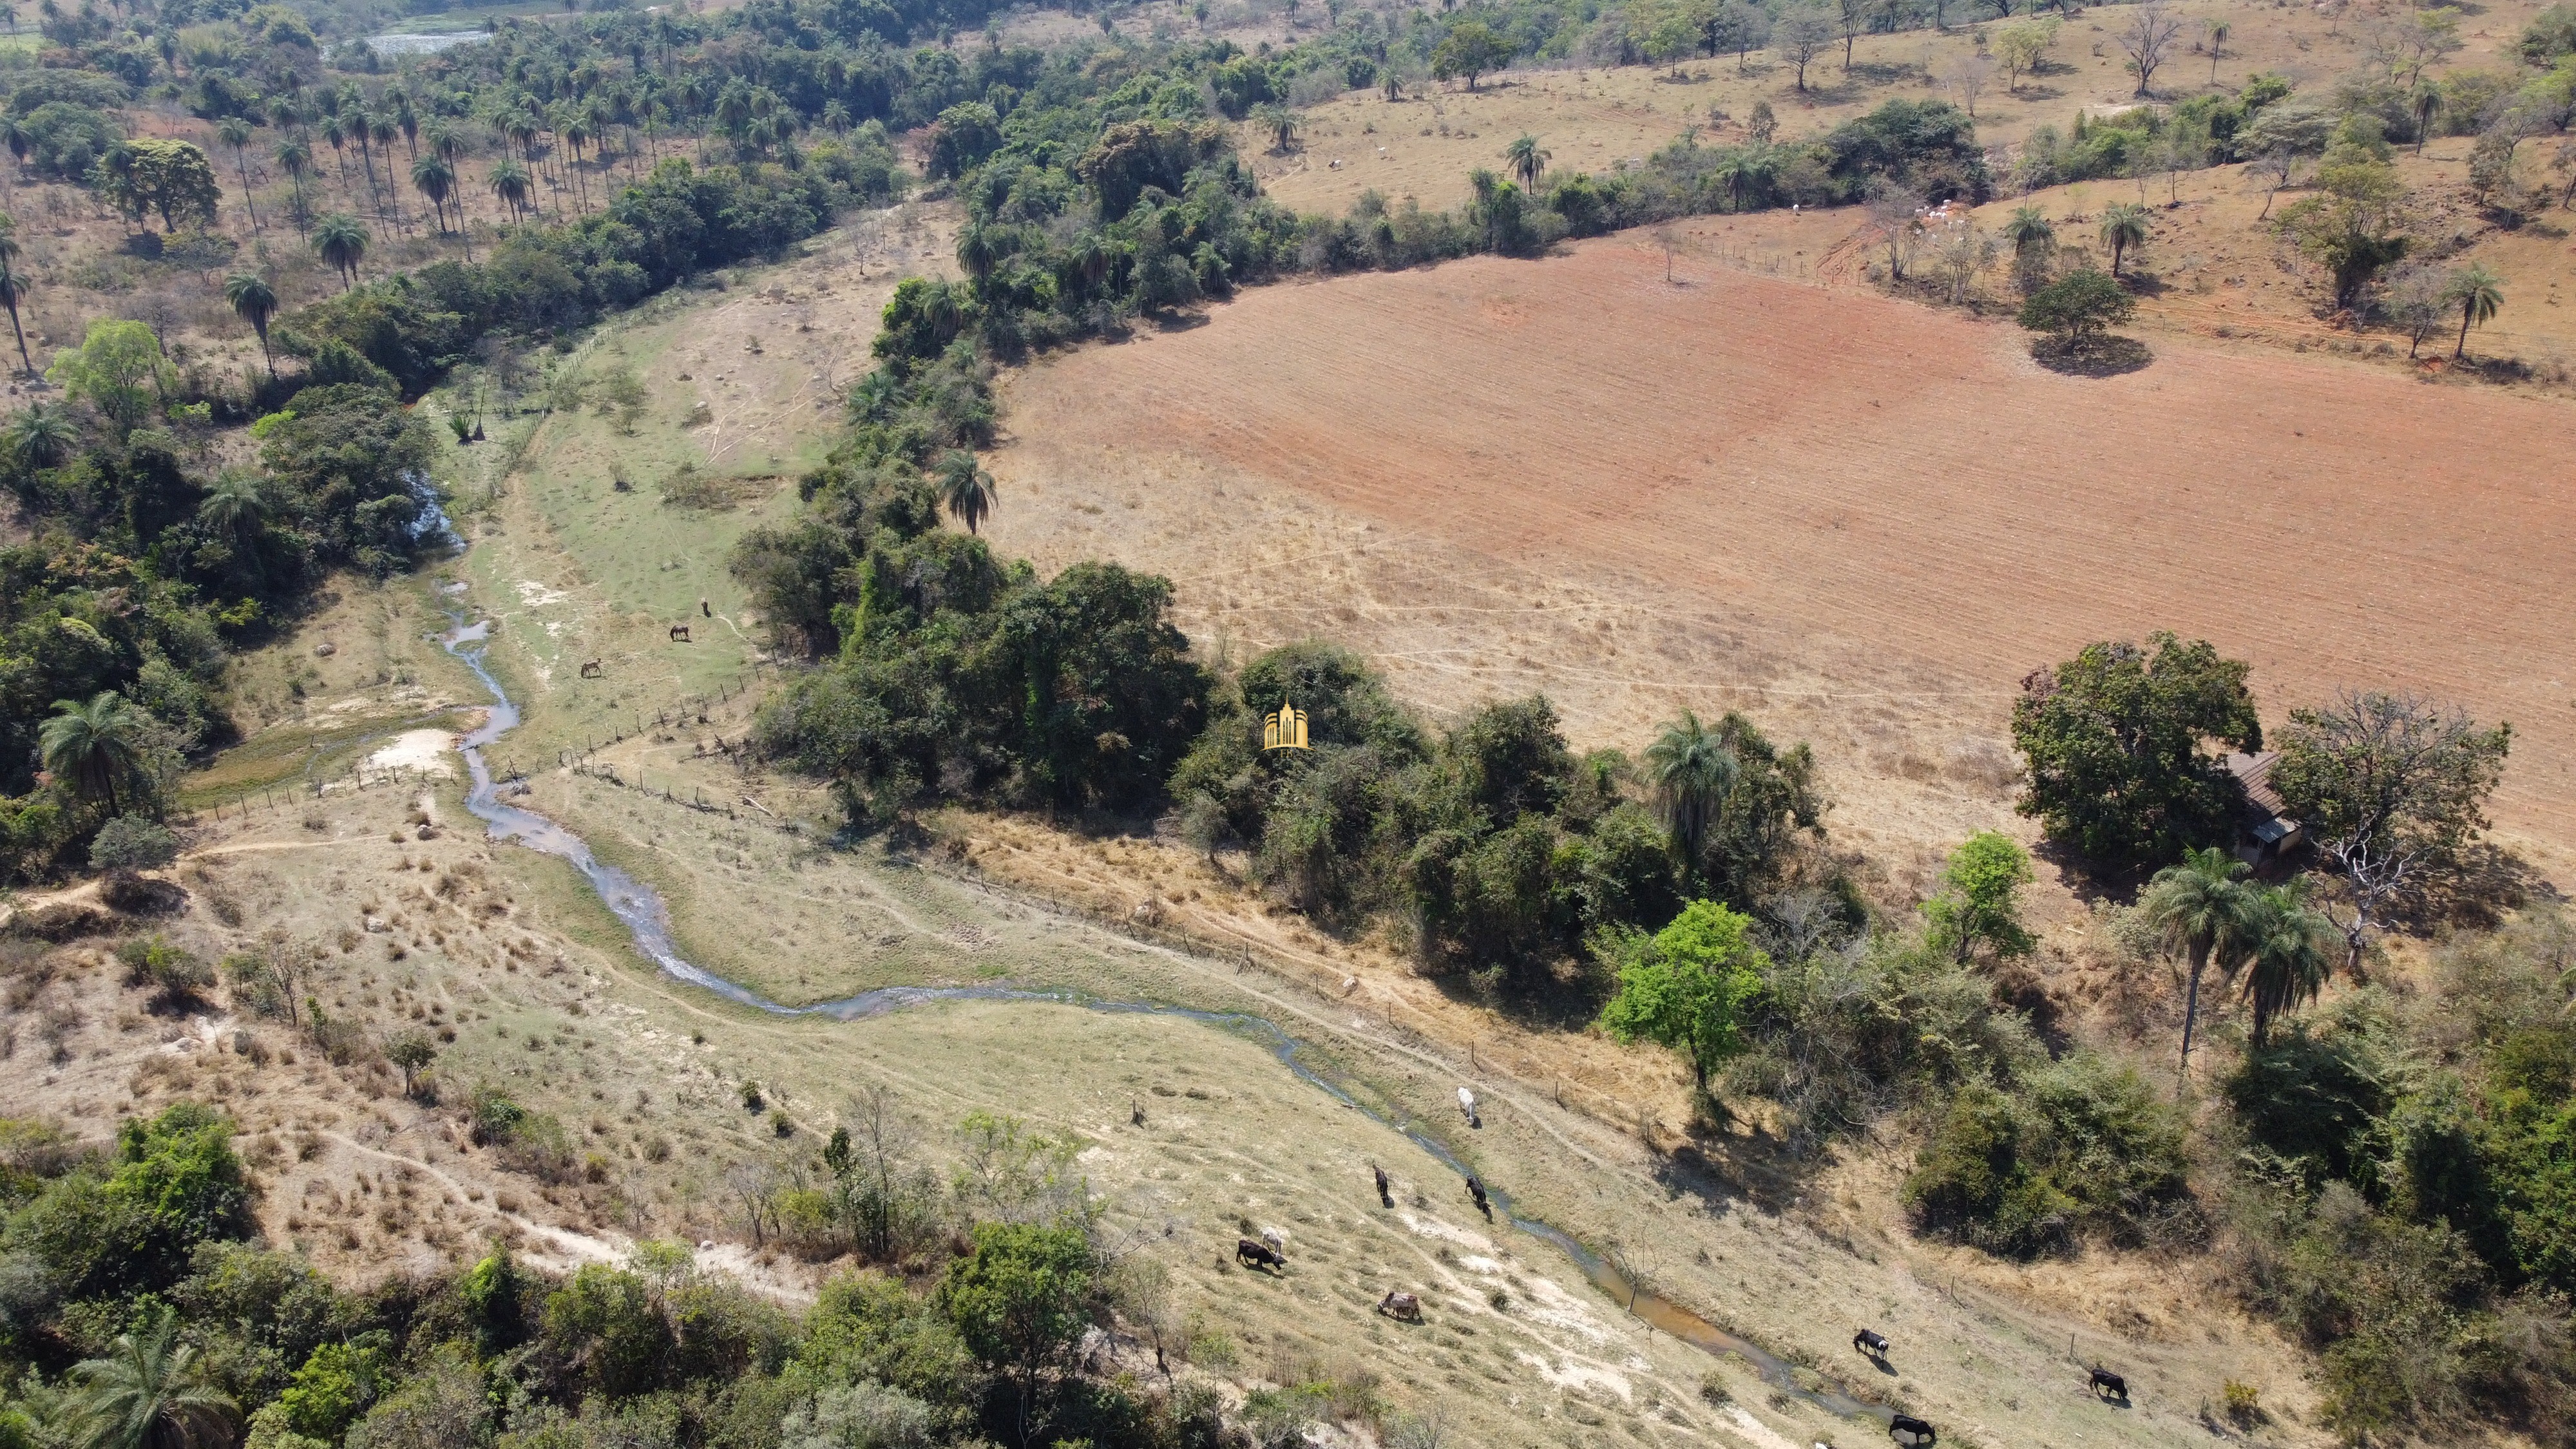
(641, 908)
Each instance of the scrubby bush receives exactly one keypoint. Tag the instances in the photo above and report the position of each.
(133, 842)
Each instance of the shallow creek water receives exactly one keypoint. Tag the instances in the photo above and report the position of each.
(648, 920)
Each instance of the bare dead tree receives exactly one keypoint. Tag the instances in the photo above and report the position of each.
(2151, 33)
(755, 1186)
(2278, 165)
(1896, 217)
(2390, 787)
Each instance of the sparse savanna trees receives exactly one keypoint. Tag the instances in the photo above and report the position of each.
(13, 295)
(341, 240)
(2124, 228)
(254, 301)
(2478, 294)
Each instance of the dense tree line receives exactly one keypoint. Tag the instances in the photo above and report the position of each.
(141, 1307)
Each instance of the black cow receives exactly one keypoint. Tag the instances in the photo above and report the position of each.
(1258, 1255)
(1476, 1190)
(1384, 1197)
(2107, 1382)
(1911, 1432)
(1872, 1342)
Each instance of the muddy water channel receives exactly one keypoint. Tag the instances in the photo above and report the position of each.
(648, 920)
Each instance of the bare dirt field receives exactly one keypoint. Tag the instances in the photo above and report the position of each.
(1859, 520)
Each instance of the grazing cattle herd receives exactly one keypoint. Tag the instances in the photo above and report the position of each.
(1270, 1254)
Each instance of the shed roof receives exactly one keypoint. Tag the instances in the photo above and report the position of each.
(2254, 775)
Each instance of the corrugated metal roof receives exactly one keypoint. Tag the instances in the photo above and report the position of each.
(2254, 774)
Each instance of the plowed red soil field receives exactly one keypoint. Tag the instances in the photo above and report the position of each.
(1861, 520)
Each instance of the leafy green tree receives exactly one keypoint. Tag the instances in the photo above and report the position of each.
(2077, 308)
(1470, 49)
(133, 842)
(332, 1388)
(1686, 987)
(2391, 788)
(2124, 225)
(2350, 225)
(965, 489)
(412, 1052)
(94, 745)
(1978, 900)
(1021, 1300)
(254, 302)
(119, 368)
(341, 240)
(2114, 748)
(2203, 908)
(2285, 950)
(2478, 294)
(150, 1391)
(171, 178)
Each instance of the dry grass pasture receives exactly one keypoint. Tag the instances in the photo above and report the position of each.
(1596, 118)
(1862, 521)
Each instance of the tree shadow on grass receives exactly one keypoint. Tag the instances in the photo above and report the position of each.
(2095, 357)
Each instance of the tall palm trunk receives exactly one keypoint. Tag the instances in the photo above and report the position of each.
(2191, 1012)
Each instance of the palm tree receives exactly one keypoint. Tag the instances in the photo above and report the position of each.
(339, 140)
(2198, 907)
(233, 131)
(1526, 160)
(91, 744)
(382, 128)
(150, 1392)
(1693, 769)
(236, 505)
(2427, 102)
(340, 240)
(295, 158)
(2218, 33)
(13, 293)
(2028, 228)
(434, 178)
(2479, 294)
(979, 251)
(510, 184)
(2124, 225)
(1739, 168)
(836, 118)
(2286, 950)
(42, 436)
(964, 488)
(254, 301)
